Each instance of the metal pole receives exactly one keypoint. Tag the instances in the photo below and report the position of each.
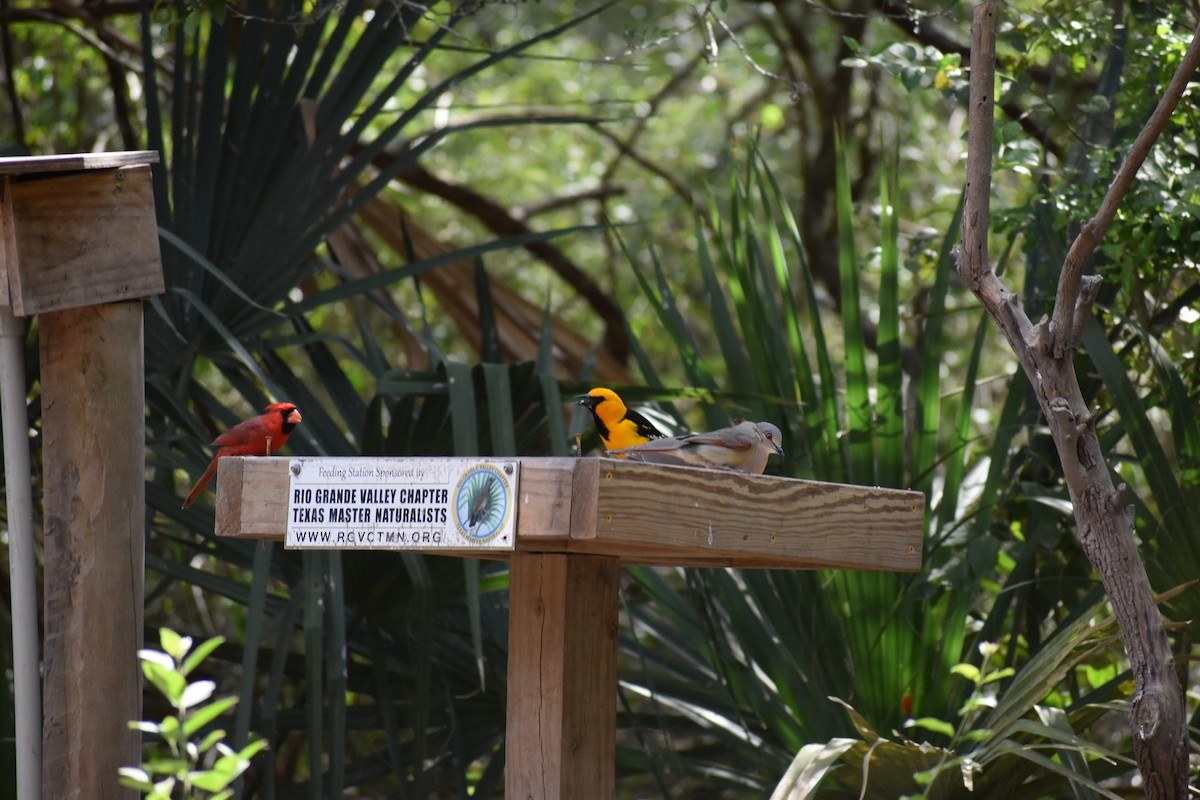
(26, 642)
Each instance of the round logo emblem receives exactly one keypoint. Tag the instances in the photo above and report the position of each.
(482, 504)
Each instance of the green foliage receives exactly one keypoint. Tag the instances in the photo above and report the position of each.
(394, 663)
(877, 637)
(1009, 737)
(1137, 346)
(192, 761)
(897, 645)
(792, 296)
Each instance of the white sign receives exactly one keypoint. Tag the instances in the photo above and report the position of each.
(402, 504)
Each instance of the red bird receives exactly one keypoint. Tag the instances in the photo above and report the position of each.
(260, 436)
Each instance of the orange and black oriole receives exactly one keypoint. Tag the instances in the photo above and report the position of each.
(617, 425)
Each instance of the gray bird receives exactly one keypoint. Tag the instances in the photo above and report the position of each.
(745, 446)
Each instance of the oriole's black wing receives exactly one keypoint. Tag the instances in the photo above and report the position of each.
(644, 426)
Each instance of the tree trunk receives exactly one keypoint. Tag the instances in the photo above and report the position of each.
(1104, 527)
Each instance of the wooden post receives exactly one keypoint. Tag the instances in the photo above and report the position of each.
(94, 465)
(562, 677)
(79, 248)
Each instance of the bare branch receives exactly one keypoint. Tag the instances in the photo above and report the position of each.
(1104, 531)
(1089, 287)
(677, 186)
(526, 213)
(1061, 329)
(977, 207)
(971, 260)
(498, 220)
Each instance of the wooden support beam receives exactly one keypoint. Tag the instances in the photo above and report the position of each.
(562, 677)
(653, 514)
(93, 418)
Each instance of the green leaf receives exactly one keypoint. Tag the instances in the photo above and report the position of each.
(889, 407)
(461, 388)
(212, 780)
(210, 740)
(733, 351)
(162, 790)
(204, 715)
(202, 651)
(251, 750)
(1071, 643)
(968, 671)
(1050, 765)
(809, 767)
(666, 307)
(360, 286)
(171, 730)
(165, 765)
(500, 410)
(173, 644)
(173, 239)
(931, 724)
(166, 680)
(999, 675)
(860, 425)
(929, 381)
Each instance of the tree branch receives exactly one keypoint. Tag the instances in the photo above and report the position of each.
(498, 220)
(978, 201)
(601, 193)
(1062, 335)
(627, 150)
(1104, 529)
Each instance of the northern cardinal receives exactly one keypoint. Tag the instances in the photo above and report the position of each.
(618, 426)
(745, 446)
(259, 436)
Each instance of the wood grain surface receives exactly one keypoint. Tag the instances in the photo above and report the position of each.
(653, 514)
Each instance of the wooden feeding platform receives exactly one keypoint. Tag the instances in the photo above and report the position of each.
(577, 522)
